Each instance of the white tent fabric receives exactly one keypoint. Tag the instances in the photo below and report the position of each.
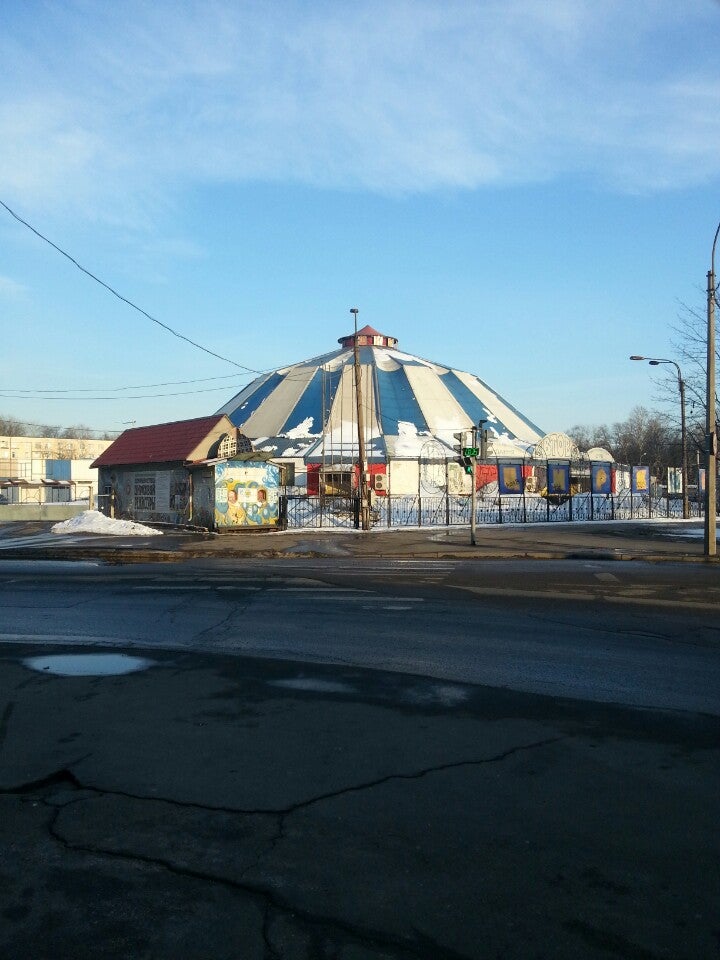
(308, 409)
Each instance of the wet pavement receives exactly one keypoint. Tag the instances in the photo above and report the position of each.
(157, 803)
(656, 540)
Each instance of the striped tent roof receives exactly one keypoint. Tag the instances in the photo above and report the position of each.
(308, 409)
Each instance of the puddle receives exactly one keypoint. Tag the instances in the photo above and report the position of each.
(445, 695)
(314, 684)
(87, 664)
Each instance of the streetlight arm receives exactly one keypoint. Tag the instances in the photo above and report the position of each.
(655, 362)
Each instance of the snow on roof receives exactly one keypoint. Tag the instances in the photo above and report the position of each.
(311, 402)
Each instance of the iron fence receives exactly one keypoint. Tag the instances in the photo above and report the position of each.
(322, 511)
(454, 509)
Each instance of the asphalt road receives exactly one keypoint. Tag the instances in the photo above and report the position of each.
(631, 633)
(348, 759)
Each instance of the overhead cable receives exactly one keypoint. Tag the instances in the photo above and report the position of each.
(115, 293)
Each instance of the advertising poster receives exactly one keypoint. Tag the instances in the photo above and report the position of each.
(640, 481)
(674, 480)
(510, 478)
(558, 478)
(247, 495)
(701, 479)
(601, 478)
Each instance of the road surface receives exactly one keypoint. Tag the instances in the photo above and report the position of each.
(355, 760)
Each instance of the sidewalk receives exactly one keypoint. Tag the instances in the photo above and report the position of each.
(656, 541)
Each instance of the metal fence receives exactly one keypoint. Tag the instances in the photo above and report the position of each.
(454, 509)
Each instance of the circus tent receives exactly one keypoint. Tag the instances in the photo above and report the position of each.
(412, 407)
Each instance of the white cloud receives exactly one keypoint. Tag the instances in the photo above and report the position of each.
(112, 108)
(11, 288)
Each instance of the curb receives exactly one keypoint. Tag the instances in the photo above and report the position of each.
(129, 555)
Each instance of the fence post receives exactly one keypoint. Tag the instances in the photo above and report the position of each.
(419, 495)
(447, 495)
(497, 464)
(388, 470)
(547, 491)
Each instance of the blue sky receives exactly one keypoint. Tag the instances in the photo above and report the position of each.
(524, 190)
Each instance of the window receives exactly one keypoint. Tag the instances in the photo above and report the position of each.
(287, 474)
(337, 483)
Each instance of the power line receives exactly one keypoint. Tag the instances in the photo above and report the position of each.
(22, 393)
(28, 423)
(128, 396)
(115, 293)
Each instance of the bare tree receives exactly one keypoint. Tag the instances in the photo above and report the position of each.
(645, 437)
(689, 343)
(11, 427)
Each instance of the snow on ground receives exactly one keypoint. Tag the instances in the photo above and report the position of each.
(92, 521)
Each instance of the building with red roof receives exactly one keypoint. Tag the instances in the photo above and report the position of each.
(202, 471)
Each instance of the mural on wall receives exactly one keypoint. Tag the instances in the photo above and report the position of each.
(247, 495)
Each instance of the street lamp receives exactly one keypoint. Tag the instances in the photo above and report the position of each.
(655, 362)
(362, 485)
(710, 537)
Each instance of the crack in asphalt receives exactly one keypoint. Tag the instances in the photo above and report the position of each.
(640, 634)
(419, 947)
(236, 608)
(5, 721)
(268, 901)
(65, 777)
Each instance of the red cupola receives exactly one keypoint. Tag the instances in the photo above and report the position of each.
(367, 337)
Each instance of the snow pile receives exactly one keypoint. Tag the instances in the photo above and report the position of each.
(92, 521)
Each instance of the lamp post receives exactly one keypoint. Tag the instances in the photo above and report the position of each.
(710, 537)
(362, 484)
(655, 362)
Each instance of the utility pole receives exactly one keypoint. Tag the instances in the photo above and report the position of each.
(683, 435)
(473, 491)
(364, 507)
(710, 532)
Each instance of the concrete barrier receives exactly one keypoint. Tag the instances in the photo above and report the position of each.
(39, 511)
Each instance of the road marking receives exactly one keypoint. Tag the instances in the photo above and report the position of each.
(607, 577)
(175, 587)
(240, 586)
(315, 590)
(584, 595)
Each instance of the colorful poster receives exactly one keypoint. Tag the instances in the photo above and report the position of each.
(558, 478)
(510, 478)
(247, 494)
(640, 482)
(701, 479)
(601, 478)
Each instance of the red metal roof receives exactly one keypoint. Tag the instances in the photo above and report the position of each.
(159, 443)
(368, 333)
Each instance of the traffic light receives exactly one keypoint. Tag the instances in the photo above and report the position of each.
(458, 447)
(466, 454)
